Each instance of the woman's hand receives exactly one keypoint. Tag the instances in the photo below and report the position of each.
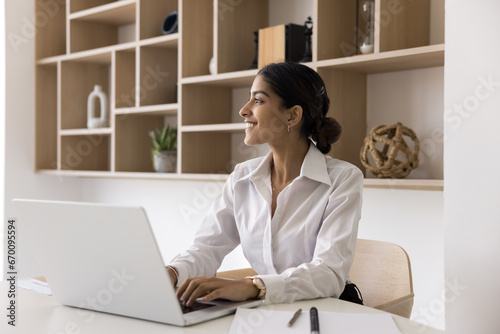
(211, 288)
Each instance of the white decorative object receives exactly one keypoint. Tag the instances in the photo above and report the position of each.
(368, 12)
(211, 66)
(366, 48)
(93, 121)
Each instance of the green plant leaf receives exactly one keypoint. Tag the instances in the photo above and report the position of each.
(164, 140)
(156, 145)
(164, 137)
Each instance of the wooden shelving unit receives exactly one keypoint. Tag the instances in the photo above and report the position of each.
(152, 79)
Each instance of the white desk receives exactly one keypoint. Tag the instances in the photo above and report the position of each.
(37, 313)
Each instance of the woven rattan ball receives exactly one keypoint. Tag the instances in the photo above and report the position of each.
(385, 163)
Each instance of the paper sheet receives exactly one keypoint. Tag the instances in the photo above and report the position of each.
(259, 321)
(35, 285)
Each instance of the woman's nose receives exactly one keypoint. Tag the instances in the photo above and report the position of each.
(245, 111)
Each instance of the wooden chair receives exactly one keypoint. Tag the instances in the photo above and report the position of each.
(382, 272)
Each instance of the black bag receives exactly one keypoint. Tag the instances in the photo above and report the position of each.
(352, 294)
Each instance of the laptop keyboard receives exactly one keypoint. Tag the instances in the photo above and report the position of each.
(195, 307)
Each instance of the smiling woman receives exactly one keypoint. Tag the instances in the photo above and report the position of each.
(295, 212)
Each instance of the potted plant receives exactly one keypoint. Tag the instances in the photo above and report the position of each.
(164, 151)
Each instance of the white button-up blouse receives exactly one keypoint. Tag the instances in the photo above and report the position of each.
(306, 249)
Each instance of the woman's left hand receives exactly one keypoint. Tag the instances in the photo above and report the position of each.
(210, 288)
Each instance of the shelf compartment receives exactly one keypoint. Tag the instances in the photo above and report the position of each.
(401, 25)
(158, 76)
(398, 25)
(197, 35)
(399, 60)
(46, 117)
(85, 152)
(132, 142)
(77, 82)
(206, 104)
(236, 47)
(347, 93)
(215, 150)
(103, 26)
(415, 99)
(50, 29)
(334, 35)
(206, 152)
(152, 14)
(125, 88)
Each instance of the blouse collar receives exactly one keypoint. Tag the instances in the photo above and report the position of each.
(313, 167)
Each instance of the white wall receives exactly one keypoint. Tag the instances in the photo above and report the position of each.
(472, 157)
(414, 221)
(20, 181)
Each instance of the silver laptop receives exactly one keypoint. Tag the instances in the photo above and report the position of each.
(105, 258)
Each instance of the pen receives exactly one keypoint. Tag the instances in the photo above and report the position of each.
(295, 316)
(314, 320)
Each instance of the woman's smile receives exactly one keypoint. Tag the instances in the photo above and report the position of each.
(249, 125)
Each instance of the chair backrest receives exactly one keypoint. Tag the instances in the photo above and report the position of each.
(382, 272)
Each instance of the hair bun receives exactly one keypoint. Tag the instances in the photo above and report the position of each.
(327, 132)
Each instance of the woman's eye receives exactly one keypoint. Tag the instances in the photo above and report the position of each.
(258, 101)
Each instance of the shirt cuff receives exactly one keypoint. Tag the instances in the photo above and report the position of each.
(275, 287)
(183, 271)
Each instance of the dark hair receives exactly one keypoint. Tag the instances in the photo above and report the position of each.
(298, 84)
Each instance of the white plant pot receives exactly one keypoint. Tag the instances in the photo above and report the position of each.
(165, 161)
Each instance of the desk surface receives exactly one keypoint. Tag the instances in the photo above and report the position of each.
(36, 313)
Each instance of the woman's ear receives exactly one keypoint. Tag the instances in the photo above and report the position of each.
(294, 116)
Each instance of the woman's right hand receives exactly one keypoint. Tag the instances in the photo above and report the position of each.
(210, 288)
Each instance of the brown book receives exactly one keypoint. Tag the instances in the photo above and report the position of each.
(280, 43)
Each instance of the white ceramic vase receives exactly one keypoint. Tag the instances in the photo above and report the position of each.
(93, 121)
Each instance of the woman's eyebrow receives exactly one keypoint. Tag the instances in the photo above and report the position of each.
(259, 92)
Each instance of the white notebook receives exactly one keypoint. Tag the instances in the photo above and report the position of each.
(259, 321)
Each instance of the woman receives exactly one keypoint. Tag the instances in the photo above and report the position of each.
(295, 211)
